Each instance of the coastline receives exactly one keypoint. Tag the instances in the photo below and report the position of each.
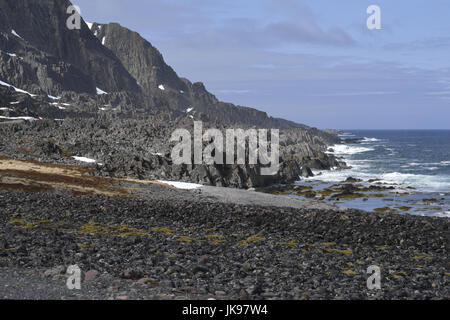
(405, 172)
(160, 242)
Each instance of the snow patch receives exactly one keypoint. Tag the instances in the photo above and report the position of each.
(53, 98)
(15, 33)
(84, 159)
(19, 118)
(100, 91)
(89, 24)
(103, 40)
(161, 87)
(189, 110)
(16, 89)
(182, 185)
(15, 102)
(6, 109)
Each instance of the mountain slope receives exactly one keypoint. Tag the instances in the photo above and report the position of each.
(157, 79)
(55, 57)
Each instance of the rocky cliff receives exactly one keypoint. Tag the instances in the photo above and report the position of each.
(103, 74)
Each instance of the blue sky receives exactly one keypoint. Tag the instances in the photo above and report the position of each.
(311, 61)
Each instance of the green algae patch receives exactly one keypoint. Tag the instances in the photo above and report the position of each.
(349, 272)
(163, 230)
(345, 251)
(216, 242)
(398, 275)
(325, 192)
(349, 195)
(253, 239)
(126, 231)
(214, 236)
(92, 227)
(84, 246)
(185, 239)
(385, 210)
(291, 243)
(17, 222)
(419, 257)
(404, 208)
(23, 224)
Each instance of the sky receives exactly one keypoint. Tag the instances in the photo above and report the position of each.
(310, 61)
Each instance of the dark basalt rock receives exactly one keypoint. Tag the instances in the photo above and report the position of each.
(124, 128)
(306, 172)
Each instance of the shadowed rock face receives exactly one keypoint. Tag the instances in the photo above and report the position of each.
(55, 56)
(46, 57)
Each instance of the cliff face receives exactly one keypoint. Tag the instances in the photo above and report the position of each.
(157, 79)
(50, 56)
(38, 53)
(103, 74)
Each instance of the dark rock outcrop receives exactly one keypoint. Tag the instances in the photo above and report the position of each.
(51, 72)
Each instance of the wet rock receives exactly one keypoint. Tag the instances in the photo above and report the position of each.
(306, 172)
(351, 179)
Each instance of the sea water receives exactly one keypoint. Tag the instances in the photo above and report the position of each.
(415, 162)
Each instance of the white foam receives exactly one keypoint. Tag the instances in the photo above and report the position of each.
(443, 214)
(365, 139)
(343, 149)
(182, 185)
